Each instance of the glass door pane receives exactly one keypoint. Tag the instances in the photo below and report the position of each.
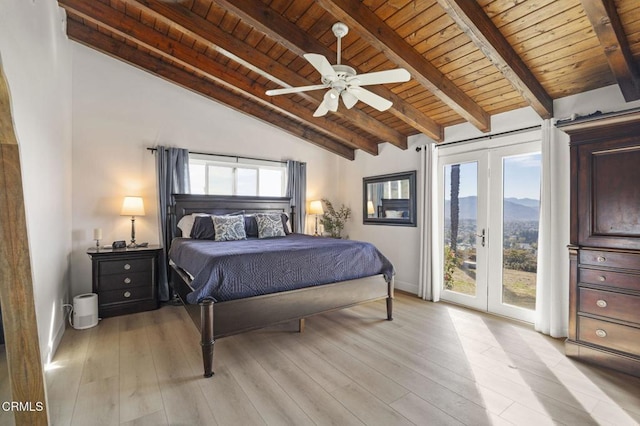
(521, 217)
(514, 222)
(460, 220)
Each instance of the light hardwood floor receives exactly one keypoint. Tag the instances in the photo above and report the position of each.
(434, 364)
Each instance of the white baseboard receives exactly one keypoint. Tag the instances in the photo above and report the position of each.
(405, 286)
(55, 343)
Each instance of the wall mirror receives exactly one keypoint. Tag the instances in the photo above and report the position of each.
(389, 199)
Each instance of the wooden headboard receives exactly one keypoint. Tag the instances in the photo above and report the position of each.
(186, 204)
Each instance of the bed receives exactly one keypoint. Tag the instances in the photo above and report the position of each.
(219, 313)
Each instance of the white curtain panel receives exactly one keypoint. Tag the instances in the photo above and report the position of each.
(425, 203)
(552, 287)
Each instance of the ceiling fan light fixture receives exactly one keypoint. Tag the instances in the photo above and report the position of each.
(331, 100)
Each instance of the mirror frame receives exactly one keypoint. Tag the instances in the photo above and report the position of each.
(411, 220)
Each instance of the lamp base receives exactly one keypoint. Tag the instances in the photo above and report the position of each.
(132, 244)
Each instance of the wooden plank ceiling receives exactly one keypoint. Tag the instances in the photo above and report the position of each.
(468, 60)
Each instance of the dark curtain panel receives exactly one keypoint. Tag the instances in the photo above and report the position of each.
(172, 167)
(297, 190)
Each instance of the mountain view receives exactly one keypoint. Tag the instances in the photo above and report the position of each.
(515, 209)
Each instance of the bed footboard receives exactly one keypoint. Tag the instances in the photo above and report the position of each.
(222, 319)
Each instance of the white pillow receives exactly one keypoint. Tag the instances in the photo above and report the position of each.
(395, 214)
(186, 223)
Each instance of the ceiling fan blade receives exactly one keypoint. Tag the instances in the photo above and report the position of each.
(371, 99)
(286, 90)
(321, 111)
(321, 64)
(348, 98)
(398, 75)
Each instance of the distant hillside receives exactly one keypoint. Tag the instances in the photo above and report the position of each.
(515, 209)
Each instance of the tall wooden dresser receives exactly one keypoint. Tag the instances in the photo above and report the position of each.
(604, 323)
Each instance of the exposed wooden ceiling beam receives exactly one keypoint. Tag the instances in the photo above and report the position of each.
(472, 20)
(138, 33)
(178, 16)
(268, 21)
(607, 26)
(374, 30)
(101, 42)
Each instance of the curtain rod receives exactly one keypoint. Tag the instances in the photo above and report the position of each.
(491, 136)
(237, 157)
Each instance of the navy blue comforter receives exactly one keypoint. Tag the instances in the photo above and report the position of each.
(237, 269)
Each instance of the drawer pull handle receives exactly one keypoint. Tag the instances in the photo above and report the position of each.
(601, 333)
(601, 303)
(602, 278)
(601, 259)
(127, 280)
(128, 294)
(127, 266)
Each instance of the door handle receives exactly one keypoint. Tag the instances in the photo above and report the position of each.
(483, 236)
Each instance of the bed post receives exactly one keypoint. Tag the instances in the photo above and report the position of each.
(207, 341)
(390, 300)
(292, 215)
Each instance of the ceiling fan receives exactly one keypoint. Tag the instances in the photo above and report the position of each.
(343, 82)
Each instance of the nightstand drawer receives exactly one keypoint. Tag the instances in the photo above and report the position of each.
(125, 265)
(125, 295)
(119, 281)
(610, 278)
(609, 259)
(612, 305)
(615, 336)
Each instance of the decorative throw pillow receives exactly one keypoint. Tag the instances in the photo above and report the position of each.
(270, 225)
(203, 228)
(285, 219)
(229, 228)
(251, 226)
(186, 223)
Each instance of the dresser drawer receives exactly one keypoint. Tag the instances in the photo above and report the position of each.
(615, 336)
(622, 280)
(609, 259)
(119, 281)
(612, 305)
(125, 295)
(125, 265)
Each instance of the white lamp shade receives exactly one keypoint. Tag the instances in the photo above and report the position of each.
(370, 209)
(315, 207)
(132, 206)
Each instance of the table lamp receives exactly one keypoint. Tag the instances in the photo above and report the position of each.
(132, 206)
(370, 209)
(315, 207)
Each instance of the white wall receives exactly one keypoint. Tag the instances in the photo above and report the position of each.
(400, 244)
(119, 111)
(36, 60)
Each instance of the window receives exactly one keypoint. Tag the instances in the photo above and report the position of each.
(220, 175)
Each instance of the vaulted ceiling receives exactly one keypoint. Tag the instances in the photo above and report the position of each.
(468, 60)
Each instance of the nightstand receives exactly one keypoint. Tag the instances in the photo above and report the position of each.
(125, 280)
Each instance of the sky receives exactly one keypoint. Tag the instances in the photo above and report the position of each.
(521, 177)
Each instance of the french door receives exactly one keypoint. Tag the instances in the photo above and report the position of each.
(489, 216)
